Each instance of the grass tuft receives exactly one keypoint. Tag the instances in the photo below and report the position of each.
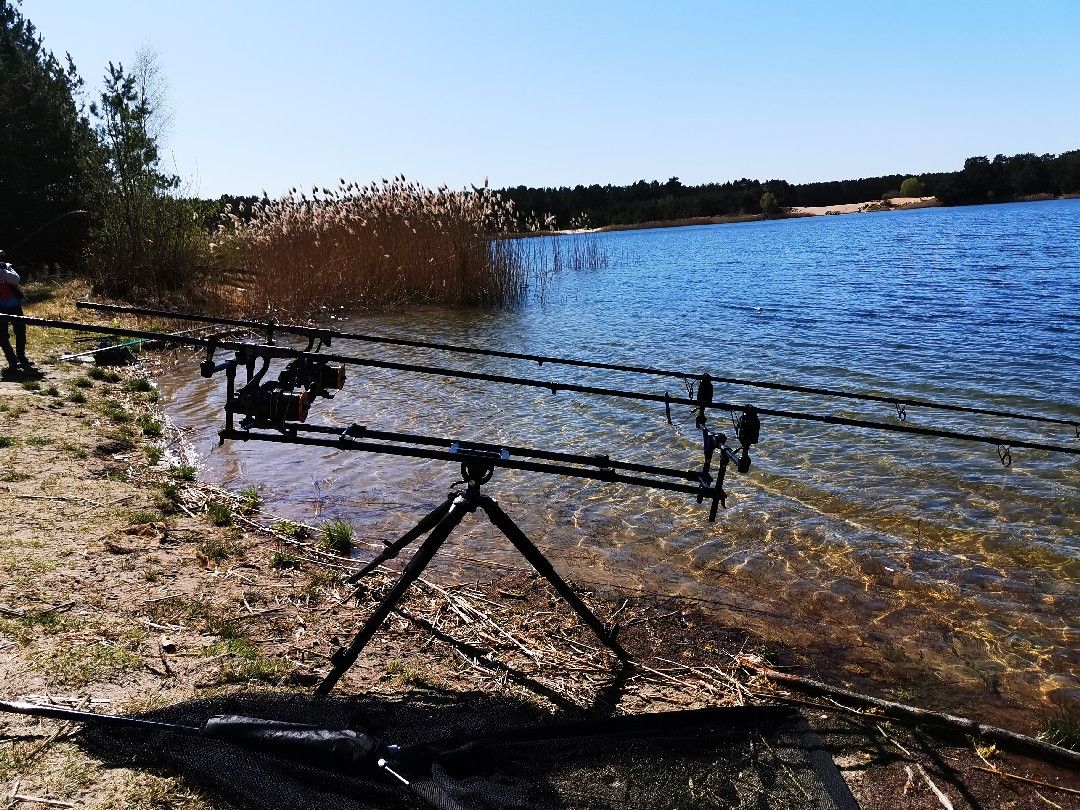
(250, 500)
(138, 385)
(185, 472)
(219, 514)
(337, 535)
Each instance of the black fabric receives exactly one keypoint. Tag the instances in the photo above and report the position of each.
(477, 752)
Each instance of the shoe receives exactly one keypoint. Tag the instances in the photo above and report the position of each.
(26, 364)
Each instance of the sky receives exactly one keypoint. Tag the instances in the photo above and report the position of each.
(267, 95)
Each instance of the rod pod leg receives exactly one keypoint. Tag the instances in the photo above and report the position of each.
(346, 657)
(543, 567)
(426, 524)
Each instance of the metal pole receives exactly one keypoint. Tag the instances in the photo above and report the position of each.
(544, 567)
(426, 524)
(346, 657)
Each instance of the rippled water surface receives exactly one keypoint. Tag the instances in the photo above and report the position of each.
(929, 551)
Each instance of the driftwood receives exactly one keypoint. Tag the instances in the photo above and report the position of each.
(1000, 736)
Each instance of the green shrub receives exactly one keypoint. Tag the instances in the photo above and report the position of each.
(912, 187)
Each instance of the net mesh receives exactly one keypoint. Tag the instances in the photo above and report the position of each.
(476, 751)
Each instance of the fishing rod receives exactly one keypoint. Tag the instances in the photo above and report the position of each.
(249, 352)
(326, 335)
(116, 346)
(35, 232)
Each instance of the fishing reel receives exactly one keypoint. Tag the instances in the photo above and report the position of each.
(270, 405)
(317, 378)
(286, 399)
(748, 432)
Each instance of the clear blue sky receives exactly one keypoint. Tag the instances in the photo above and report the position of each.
(270, 94)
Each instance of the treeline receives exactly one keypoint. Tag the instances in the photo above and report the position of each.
(81, 184)
(981, 180)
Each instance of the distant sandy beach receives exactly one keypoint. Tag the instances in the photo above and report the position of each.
(895, 204)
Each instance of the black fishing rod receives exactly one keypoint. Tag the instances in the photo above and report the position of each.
(326, 335)
(253, 351)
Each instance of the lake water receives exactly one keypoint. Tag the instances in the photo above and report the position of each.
(925, 560)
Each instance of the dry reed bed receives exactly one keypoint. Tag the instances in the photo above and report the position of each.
(367, 246)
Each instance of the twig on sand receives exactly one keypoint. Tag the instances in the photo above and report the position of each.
(19, 797)
(945, 802)
(1003, 737)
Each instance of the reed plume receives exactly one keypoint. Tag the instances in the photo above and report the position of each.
(382, 244)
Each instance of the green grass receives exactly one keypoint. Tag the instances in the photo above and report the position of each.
(8, 441)
(250, 500)
(52, 391)
(1063, 731)
(138, 385)
(82, 664)
(403, 674)
(32, 385)
(219, 514)
(216, 621)
(33, 623)
(337, 535)
(116, 412)
(141, 517)
(290, 529)
(244, 663)
(82, 382)
(282, 560)
(102, 374)
(185, 472)
(151, 427)
(153, 454)
(39, 441)
(214, 550)
(76, 397)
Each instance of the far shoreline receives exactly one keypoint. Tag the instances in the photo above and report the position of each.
(795, 212)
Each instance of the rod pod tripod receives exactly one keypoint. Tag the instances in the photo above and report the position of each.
(438, 525)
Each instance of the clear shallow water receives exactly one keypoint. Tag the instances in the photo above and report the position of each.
(928, 555)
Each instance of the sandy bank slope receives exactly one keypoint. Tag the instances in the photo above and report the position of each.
(895, 204)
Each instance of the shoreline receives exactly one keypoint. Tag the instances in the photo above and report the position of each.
(131, 586)
(797, 212)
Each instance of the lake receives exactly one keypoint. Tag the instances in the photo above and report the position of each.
(924, 560)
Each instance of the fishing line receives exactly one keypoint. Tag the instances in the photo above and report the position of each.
(901, 403)
(267, 352)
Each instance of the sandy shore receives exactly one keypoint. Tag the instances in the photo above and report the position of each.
(895, 204)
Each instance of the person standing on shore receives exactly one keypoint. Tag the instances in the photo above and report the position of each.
(11, 299)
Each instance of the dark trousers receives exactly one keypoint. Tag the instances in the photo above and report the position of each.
(20, 335)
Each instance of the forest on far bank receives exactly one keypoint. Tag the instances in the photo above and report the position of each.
(981, 180)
